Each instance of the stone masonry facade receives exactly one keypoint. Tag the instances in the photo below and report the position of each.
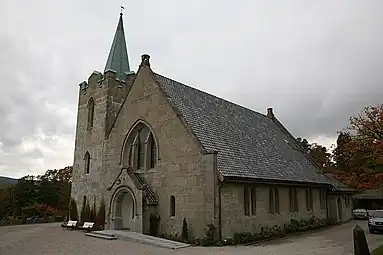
(182, 169)
(167, 171)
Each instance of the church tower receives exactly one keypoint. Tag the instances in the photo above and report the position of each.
(99, 101)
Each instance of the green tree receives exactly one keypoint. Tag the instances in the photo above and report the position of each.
(100, 222)
(93, 212)
(185, 231)
(73, 212)
(318, 153)
(304, 144)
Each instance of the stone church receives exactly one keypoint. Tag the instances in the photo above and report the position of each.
(149, 145)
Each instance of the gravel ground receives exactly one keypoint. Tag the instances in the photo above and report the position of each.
(49, 239)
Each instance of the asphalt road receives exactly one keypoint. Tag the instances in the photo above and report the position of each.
(50, 239)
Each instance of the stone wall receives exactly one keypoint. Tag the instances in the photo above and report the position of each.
(233, 215)
(346, 208)
(181, 169)
(106, 92)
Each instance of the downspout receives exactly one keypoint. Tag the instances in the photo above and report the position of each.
(219, 212)
(327, 205)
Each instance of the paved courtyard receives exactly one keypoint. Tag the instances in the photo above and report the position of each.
(50, 239)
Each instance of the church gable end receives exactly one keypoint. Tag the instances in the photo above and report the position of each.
(147, 115)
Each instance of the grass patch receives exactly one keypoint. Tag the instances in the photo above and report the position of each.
(378, 251)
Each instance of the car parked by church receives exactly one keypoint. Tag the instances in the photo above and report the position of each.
(375, 222)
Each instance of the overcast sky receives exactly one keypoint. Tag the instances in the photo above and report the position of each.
(315, 62)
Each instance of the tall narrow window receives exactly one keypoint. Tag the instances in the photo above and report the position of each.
(135, 152)
(309, 200)
(253, 201)
(152, 151)
(293, 199)
(141, 148)
(322, 199)
(87, 162)
(274, 200)
(347, 201)
(271, 201)
(276, 194)
(172, 206)
(90, 113)
(246, 201)
(296, 200)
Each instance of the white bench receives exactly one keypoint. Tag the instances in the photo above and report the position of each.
(87, 226)
(70, 224)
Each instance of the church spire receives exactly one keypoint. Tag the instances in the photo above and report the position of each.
(118, 60)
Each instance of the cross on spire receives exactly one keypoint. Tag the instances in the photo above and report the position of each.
(122, 8)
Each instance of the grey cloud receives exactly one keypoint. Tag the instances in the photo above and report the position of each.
(315, 62)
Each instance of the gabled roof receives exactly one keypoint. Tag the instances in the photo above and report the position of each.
(118, 59)
(249, 144)
(337, 185)
(370, 194)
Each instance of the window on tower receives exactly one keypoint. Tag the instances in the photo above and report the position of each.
(90, 113)
(87, 162)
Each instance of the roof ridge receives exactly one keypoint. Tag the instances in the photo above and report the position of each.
(209, 94)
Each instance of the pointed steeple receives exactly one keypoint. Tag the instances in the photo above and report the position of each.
(118, 59)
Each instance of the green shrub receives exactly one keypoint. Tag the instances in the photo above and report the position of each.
(45, 219)
(244, 237)
(154, 224)
(93, 216)
(100, 219)
(210, 236)
(36, 220)
(73, 213)
(185, 231)
(266, 232)
(210, 231)
(82, 214)
(332, 221)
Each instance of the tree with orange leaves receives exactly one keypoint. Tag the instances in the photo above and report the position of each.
(359, 151)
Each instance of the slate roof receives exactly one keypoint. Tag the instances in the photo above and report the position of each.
(249, 144)
(370, 194)
(337, 184)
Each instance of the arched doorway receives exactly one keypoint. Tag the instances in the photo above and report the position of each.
(124, 209)
(340, 211)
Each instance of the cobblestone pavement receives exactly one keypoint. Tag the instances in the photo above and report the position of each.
(50, 239)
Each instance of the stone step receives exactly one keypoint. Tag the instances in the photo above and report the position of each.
(105, 236)
(150, 240)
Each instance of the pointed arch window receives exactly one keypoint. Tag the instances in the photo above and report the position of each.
(87, 162)
(90, 113)
(140, 150)
(151, 151)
